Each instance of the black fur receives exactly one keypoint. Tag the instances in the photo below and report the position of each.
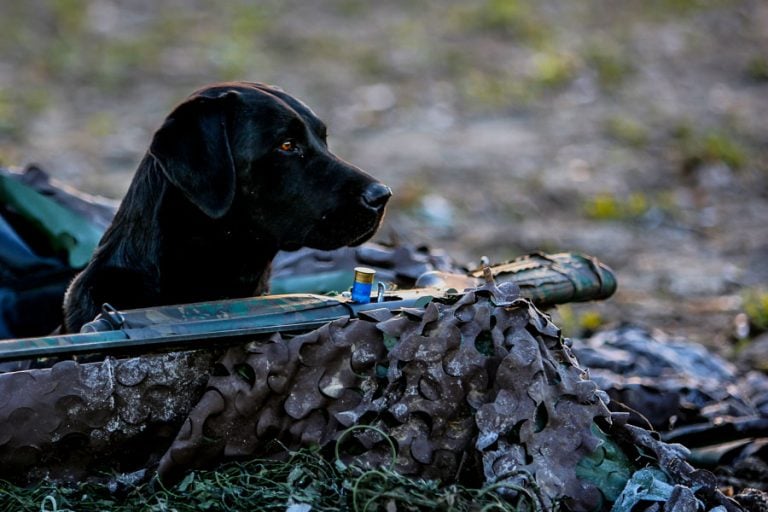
(216, 196)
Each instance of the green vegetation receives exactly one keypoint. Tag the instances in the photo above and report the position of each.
(607, 206)
(15, 104)
(100, 124)
(493, 90)
(661, 10)
(696, 146)
(627, 131)
(553, 69)
(6, 114)
(304, 482)
(757, 68)
(576, 321)
(496, 53)
(512, 18)
(755, 302)
(719, 146)
(63, 43)
(611, 66)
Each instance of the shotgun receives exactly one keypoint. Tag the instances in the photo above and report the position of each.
(546, 280)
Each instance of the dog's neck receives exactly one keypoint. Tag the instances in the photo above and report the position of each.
(198, 258)
(204, 258)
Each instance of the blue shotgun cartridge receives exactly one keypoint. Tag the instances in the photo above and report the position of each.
(361, 287)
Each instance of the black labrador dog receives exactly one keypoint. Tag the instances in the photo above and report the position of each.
(237, 172)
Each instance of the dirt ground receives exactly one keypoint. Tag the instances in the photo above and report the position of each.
(632, 131)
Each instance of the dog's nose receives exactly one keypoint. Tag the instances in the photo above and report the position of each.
(376, 195)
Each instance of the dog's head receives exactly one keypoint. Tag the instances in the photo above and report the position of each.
(252, 152)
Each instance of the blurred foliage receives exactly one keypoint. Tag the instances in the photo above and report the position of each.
(101, 123)
(610, 64)
(476, 48)
(409, 195)
(608, 206)
(15, 104)
(666, 9)
(88, 41)
(720, 146)
(696, 146)
(755, 303)
(627, 130)
(554, 68)
(6, 114)
(757, 68)
(578, 320)
(495, 90)
(517, 19)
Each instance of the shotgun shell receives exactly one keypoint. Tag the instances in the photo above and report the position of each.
(361, 287)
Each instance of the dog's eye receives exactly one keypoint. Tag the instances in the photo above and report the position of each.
(288, 146)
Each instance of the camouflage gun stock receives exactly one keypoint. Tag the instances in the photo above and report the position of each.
(544, 279)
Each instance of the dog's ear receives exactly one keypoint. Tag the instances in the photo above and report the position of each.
(193, 150)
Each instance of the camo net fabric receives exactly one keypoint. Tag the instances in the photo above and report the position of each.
(482, 386)
(74, 420)
(478, 389)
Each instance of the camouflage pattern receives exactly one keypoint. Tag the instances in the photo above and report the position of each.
(73, 421)
(551, 279)
(478, 389)
(483, 390)
(484, 386)
(189, 325)
(546, 280)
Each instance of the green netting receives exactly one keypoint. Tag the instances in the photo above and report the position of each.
(305, 481)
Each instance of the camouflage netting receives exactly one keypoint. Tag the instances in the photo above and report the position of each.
(482, 383)
(479, 391)
(74, 420)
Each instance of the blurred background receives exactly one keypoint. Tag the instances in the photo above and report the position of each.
(632, 131)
